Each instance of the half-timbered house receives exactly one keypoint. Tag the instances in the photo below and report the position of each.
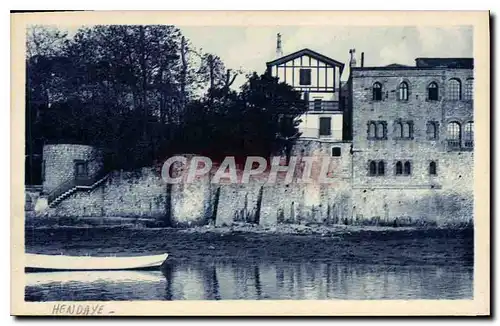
(317, 77)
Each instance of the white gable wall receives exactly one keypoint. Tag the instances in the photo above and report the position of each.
(327, 78)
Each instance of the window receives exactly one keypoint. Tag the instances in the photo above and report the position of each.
(317, 104)
(376, 168)
(406, 130)
(325, 126)
(403, 91)
(402, 169)
(454, 89)
(380, 130)
(407, 168)
(377, 130)
(403, 130)
(305, 76)
(377, 91)
(398, 130)
(381, 168)
(372, 130)
(432, 130)
(469, 134)
(432, 168)
(469, 89)
(336, 151)
(373, 168)
(80, 169)
(454, 135)
(432, 92)
(453, 131)
(399, 168)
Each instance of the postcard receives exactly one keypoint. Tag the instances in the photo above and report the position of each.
(250, 163)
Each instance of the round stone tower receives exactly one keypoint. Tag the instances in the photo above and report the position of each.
(65, 162)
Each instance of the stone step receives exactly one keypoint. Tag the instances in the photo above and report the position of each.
(74, 189)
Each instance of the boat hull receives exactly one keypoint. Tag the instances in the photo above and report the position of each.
(44, 263)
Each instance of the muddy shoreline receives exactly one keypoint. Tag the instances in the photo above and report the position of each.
(290, 243)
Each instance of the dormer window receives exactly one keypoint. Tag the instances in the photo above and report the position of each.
(305, 76)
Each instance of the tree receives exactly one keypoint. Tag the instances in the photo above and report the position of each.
(43, 40)
(134, 91)
(259, 120)
(273, 106)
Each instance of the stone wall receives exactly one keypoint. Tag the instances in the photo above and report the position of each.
(351, 196)
(143, 193)
(81, 204)
(139, 193)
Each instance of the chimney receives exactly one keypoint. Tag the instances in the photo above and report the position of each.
(279, 50)
(362, 59)
(352, 62)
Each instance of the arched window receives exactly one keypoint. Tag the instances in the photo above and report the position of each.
(469, 89)
(377, 91)
(403, 91)
(432, 92)
(398, 130)
(432, 168)
(453, 131)
(406, 130)
(372, 132)
(407, 168)
(380, 130)
(469, 134)
(432, 130)
(454, 135)
(399, 168)
(381, 168)
(454, 91)
(373, 168)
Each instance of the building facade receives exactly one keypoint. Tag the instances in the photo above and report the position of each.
(317, 77)
(413, 139)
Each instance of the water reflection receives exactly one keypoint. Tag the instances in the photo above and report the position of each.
(232, 281)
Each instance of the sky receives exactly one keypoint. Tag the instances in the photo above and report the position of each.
(249, 48)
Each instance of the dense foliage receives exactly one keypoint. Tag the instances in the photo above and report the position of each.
(144, 92)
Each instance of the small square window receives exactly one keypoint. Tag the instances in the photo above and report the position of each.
(81, 169)
(336, 151)
(305, 76)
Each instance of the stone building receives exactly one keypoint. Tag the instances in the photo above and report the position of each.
(413, 139)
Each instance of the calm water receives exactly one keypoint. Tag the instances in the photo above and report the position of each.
(232, 281)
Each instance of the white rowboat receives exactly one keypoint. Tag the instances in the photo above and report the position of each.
(88, 263)
(44, 278)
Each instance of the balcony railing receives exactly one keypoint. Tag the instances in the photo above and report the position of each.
(314, 133)
(321, 106)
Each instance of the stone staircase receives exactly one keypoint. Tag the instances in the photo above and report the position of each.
(71, 186)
